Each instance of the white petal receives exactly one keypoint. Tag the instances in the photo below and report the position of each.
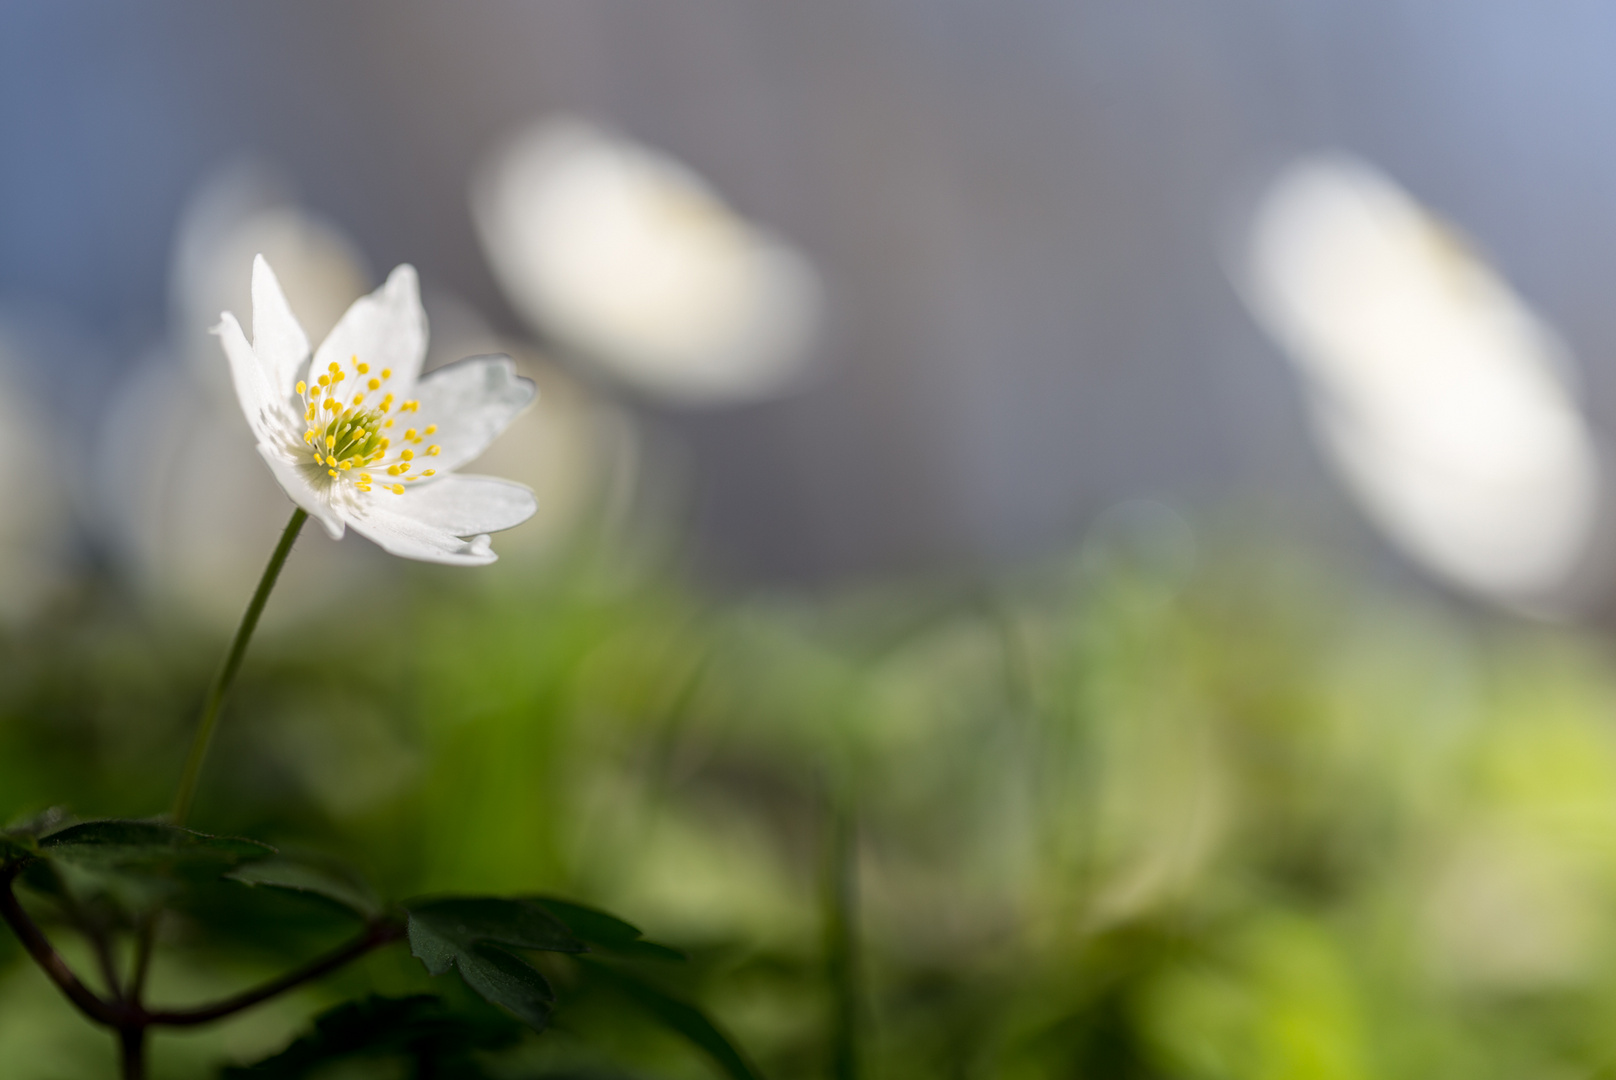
(410, 538)
(259, 400)
(467, 505)
(471, 401)
(386, 329)
(299, 490)
(278, 339)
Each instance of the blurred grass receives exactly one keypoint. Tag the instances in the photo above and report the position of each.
(1257, 819)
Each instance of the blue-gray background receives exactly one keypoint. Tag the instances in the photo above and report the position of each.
(1017, 206)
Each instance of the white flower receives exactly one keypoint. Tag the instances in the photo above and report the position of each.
(1440, 397)
(634, 262)
(356, 438)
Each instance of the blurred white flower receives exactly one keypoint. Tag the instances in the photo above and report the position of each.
(628, 258)
(331, 446)
(35, 520)
(1437, 394)
(193, 527)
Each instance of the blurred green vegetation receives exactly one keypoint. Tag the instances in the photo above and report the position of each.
(1113, 816)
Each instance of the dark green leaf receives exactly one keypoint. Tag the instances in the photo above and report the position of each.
(679, 1016)
(599, 930)
(329, 879)
(417, 1028)
(147, 845)
(460, 932)
(503, 978)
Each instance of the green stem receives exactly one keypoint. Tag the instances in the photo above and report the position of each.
(227, 671)
(841, 933)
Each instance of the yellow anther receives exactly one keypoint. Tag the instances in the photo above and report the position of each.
(434, 450)
(347, 463)
(318, 460)
(374, 384)
(362, 487)
(333, 472)
(386, 443)
(387, 373)
(402, 467)
(393, 470)
(388, 424)
(309, 415)
(429, 429)
(302, 387)
(409, 433)
(407, 454)
(397, 489)
(363, 369)
(325, 380)
(430, 472)
(358, 398)
(333, 367)
(337, 376)
(330, 442)
(364, 478)
(308, 437)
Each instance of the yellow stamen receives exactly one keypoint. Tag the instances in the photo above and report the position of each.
(387, 373)
(330, 442)
(374, 384)
(434, 450)
(325, 380)
(407, 454)
(429, 429)
(333, 472)
(363, 369)
(308, 437)
(397, 489)
(410, 433)
(302, 387)
(358, 398)
(430, 472)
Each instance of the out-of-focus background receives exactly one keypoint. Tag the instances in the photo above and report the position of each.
(1074, 537)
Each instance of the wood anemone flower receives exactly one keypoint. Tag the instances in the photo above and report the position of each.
(357, 437)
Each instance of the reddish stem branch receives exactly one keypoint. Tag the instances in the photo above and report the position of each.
(129, 1016)
(39, 947)
(382, 932)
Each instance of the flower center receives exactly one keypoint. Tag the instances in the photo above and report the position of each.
(351, 430)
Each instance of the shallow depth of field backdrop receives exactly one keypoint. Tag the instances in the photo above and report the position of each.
(1074, 537)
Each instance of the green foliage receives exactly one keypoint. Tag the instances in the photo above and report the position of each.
(470, 934)
(323, 877)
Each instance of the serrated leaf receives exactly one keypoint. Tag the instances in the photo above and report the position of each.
(504, 978)
(681, 1017)
(601, 930)
(524, 924)
(330, 880)
(465, 933)
(148, 845)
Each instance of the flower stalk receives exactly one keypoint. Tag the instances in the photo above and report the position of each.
(226, 674)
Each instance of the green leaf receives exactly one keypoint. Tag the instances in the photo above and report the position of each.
(503, 978)
(147, 845)
(324, 878)
(601, 931)
(419, 1028)
(679, 1016)
(465, 932)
